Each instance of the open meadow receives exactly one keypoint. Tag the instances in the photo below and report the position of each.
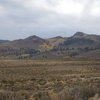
(51, 79)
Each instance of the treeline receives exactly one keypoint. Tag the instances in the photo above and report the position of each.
(62, 48)
(22, 53)
(16, 52)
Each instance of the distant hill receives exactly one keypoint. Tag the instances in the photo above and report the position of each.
(87, 36)
(3, 41)
(82, 40)
(78, 45)
(30, 42)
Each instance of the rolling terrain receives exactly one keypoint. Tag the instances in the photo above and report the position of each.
(78, 45)
(59, 68)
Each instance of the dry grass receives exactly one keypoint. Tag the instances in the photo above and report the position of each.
(49, 79)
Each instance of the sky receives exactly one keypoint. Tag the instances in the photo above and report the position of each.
(48, 18)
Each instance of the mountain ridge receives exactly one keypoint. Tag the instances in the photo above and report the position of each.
(75, 46)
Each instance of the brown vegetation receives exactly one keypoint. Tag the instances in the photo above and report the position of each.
(49, 79)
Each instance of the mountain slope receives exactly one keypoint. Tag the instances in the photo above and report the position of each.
(78, 45)
(87, 36)
(56, 40)
(82, 40)
(30, 42)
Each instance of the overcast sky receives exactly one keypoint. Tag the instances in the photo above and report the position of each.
(48, 18)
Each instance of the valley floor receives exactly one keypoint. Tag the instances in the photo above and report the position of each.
(52, 79)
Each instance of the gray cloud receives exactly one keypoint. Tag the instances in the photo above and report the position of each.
(21, 18)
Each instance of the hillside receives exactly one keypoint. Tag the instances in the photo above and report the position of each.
(87, 36)
(56, 40)
(30, 42)
(78, 45)
(82, 40)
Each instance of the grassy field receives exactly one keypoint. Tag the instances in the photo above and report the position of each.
(49, 79)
